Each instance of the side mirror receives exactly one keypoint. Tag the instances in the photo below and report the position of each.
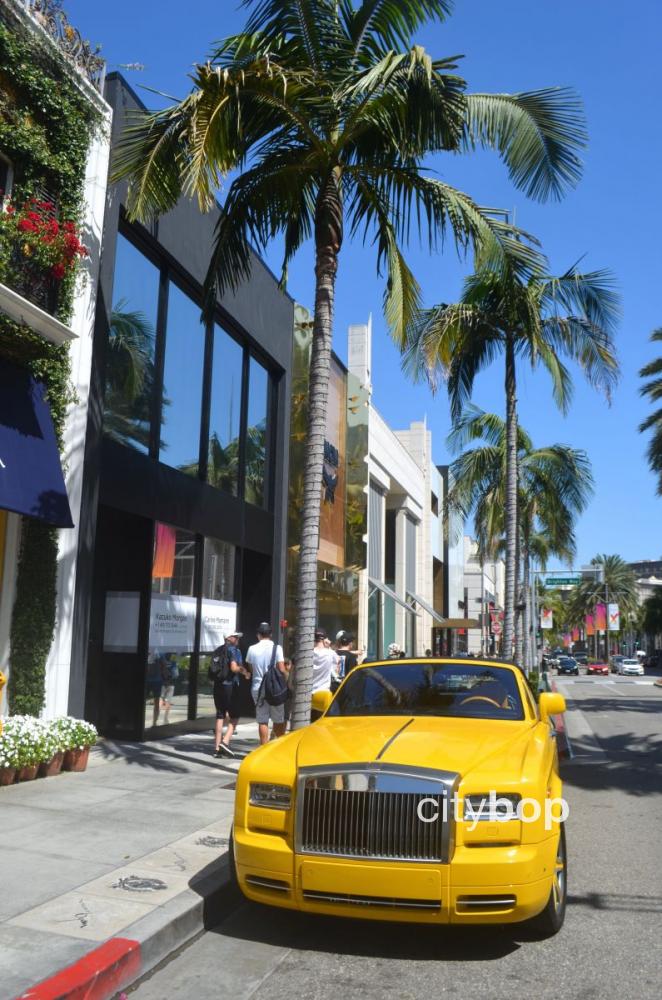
(550, 704)
(321, 701)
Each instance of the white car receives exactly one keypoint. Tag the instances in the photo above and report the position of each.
(632, 668)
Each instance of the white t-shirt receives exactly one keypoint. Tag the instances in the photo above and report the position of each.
(325, 663)
(258, 658)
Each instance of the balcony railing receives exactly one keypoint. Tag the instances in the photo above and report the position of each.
(50, 16)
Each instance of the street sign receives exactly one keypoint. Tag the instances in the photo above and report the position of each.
(562, 581)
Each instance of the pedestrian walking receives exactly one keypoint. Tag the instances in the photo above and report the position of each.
(260, 658)
(347, 657)
(225, 671)
(394, 652)
(325, 662)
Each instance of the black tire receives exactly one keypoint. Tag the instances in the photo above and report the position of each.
(550, 921)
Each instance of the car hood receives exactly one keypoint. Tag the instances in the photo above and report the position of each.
(458, 745)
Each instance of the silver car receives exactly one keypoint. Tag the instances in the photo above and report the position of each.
(632, 668)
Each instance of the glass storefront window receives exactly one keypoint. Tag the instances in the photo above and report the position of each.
(182, 384)
(130, 348)
(225, 413)
(219, 612)
(171, 626)
(256, 434)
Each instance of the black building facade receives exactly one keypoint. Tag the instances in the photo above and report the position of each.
(183, 529)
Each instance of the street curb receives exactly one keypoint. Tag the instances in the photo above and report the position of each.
(121, 961)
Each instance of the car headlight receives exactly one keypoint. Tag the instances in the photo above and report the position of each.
(491, 806)
(270, 796)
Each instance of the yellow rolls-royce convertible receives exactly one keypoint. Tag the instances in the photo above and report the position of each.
(428, 791)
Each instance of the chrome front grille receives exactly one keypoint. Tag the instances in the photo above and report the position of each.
(374, 813)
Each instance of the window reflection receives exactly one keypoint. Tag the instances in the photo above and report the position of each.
(225, 413)
(171, 626)
(130, 348)
(182, 383)
(256, 434)
(218, 596)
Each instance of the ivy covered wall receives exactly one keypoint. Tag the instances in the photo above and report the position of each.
(46, 126)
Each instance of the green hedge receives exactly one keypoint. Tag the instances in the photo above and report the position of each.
(46, 125)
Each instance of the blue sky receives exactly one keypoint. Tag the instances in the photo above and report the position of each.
(609, 52)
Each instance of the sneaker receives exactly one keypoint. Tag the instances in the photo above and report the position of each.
(225, 751)
(217, 753)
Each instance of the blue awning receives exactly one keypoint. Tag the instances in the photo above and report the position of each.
(31, 480)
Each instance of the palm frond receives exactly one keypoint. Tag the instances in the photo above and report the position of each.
(538, 134)
(376, 25)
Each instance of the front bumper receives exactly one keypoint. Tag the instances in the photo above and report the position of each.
(481, 885)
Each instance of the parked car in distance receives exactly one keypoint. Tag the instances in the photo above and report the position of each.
(568, 665)
(582, 659)
(598, 668)
(615, 660)
(631, 668)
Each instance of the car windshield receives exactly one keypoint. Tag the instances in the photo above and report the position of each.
(567, 659)
(441, 689)
(630, 663)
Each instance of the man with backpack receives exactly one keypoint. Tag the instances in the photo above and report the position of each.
(225, 670)
(269, 682)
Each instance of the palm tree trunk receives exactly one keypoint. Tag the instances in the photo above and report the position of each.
(526, 630)
(510, 500)
(518, 594)
(328, 238)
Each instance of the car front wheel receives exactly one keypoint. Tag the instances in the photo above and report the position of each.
(550, 921)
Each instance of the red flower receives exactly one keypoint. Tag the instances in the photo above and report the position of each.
(58, 271)
(54, 227)
(35, 216)
(10, 209)
(69, 227)
(27, 226)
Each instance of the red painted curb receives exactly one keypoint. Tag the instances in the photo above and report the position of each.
(96, 976)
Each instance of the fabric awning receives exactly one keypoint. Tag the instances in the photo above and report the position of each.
(426, 607)
(392, 594)
(31, 480)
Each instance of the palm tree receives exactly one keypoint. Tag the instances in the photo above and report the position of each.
(653, 390)
(555, 484)
(326, 109)
(651, 619)
(613, 580)
(537, 319)
(129, 376)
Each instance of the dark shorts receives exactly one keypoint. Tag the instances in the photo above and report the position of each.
(226, 699)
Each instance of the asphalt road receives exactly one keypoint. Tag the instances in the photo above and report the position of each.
(610, 946)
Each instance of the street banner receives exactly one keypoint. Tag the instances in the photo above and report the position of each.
(567, 638)
(546, 618)
(575, 635)
(600, 617)
(614, 618)
(590, 627)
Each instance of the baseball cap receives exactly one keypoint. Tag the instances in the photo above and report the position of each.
(234, 633)
(264, 628)
(344, 637)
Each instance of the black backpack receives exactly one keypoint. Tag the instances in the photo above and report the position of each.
(274, 687)
(219, 665)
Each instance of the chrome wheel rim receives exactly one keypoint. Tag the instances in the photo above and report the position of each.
(558, 884)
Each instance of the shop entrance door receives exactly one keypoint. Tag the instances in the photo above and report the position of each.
(114, 697)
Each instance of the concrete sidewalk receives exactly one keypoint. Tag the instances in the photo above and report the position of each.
(134, 850)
